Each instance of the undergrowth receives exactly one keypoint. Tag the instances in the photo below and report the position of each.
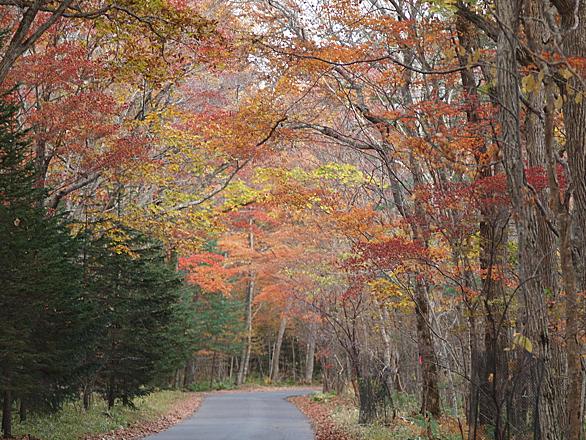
(72, 422)
(406, 425)
(215, 386)
(252, 382)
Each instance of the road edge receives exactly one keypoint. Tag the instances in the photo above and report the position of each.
(320, 418)
(178, 412)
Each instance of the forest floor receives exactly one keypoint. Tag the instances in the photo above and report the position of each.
(336, 418)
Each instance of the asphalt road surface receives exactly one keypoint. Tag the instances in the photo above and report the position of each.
(263, 415)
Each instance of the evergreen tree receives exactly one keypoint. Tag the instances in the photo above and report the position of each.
(40, 281)
(134, 294)
(178, 337)
(211, 323)
(216, 324)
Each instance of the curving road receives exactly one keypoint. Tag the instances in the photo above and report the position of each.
(263, 415)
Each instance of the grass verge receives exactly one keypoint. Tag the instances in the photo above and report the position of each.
(73, 423)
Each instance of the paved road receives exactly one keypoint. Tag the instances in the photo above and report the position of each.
(264, 415)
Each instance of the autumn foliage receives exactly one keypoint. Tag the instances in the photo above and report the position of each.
(385, 195)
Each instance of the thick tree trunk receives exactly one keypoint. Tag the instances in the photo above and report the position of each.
(535, 313)
(573, 349)
(430, 398)
(574, 236)
(543, 248)
(189, 373)
(493, 377)
(179, 378)
(574, 110)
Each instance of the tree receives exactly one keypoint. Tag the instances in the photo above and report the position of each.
(215, 327)
(41, 342)
(135, 296)
(157, 23)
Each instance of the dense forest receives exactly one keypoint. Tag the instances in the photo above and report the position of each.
(386, 197)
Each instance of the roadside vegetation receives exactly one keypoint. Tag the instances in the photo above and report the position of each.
(336, 417)
(73, 422)
(251, 383)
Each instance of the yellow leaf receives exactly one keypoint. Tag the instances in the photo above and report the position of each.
(522, 342)
(528, 83)
(566, 73)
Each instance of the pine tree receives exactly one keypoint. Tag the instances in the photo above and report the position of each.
(39, 279)
(216, 324)
(211, 323)
(134, 294)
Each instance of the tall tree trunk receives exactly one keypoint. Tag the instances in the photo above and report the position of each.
(494, 376)
(7, 415)
(488, 376)
(111, 392)
(390, 372)
(327, 374)
(189, 373)
(245, 359)
(293, 360)
(231, 373)
(213, 369)
(179, 378)
(310, 354)
(87, 396)
(573, 350)
(22, 410)
(275, 374)
(430, 395)
(472, 413)
(533, 295)
(430, 398)
(574, 110)
(543, 251)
